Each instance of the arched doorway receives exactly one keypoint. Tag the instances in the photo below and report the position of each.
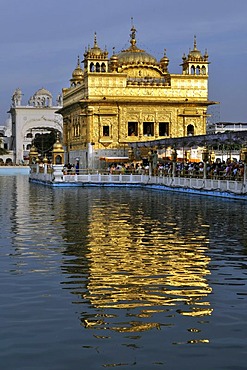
(190, 130)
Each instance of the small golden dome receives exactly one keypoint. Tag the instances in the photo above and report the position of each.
(78, 72)
(164, 62)
(195, 53)
(57, 145)
(33, 150)
(114, 57)
(95, 51)
(164, 59)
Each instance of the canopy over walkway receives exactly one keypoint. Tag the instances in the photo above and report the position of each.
(228, 137)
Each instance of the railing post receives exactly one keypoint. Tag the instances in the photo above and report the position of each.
(58, 172)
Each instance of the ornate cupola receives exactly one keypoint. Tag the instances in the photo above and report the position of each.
(77, 75)
(95, 59)
(114, 61)
(195, 63)
(58, 153)
(164, 62)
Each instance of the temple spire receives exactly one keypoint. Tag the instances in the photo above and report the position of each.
(133, 33)
(95, 40)
(195, 48)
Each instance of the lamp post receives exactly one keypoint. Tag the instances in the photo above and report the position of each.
(92, 154)
(243, 157)
(150, 162)
(205, 157)
(212, 156)
(131, 154)
(174, 160)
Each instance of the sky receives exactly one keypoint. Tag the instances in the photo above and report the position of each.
(41, 40)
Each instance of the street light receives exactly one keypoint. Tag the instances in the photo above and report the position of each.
(243, 157)
(131, 154)
(150, 162)
(212, 156)
(205, 158)
(174, 160)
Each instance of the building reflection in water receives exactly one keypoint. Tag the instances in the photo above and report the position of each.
(142, 257)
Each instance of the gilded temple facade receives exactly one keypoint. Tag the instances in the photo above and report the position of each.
(131, 97)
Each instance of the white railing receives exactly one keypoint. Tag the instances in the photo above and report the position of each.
(186, 183)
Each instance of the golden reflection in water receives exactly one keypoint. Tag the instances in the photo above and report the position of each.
(148, 265)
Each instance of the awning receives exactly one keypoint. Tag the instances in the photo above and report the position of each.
(115, 159)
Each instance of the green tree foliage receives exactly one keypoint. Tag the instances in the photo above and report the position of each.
(44, 143)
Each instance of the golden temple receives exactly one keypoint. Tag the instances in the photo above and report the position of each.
(131, 97)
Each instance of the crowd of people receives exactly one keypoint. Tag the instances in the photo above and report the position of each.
(71, 169)
(230, 169)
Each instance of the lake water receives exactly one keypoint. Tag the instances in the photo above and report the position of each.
(95, 278)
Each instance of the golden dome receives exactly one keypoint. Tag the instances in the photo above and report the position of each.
(114, 57)
(33, 150)
(95, 51)
(134, 55)
(57, 146)
(78, 72)
(195, 53)
(164, 62)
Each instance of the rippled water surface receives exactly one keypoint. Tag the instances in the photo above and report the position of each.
(95, 278)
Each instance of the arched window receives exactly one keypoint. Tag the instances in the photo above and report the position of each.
(192, 70)
(203, 70)
(58, 159)
(190, 130)
(198, 70)
(97, 67)
(9, 161)
(92, 68)
(103, 67)
(29, 135)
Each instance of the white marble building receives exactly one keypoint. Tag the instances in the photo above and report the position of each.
(38, 116)
(6, 141)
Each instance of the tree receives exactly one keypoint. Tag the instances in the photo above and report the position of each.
(44, 143)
